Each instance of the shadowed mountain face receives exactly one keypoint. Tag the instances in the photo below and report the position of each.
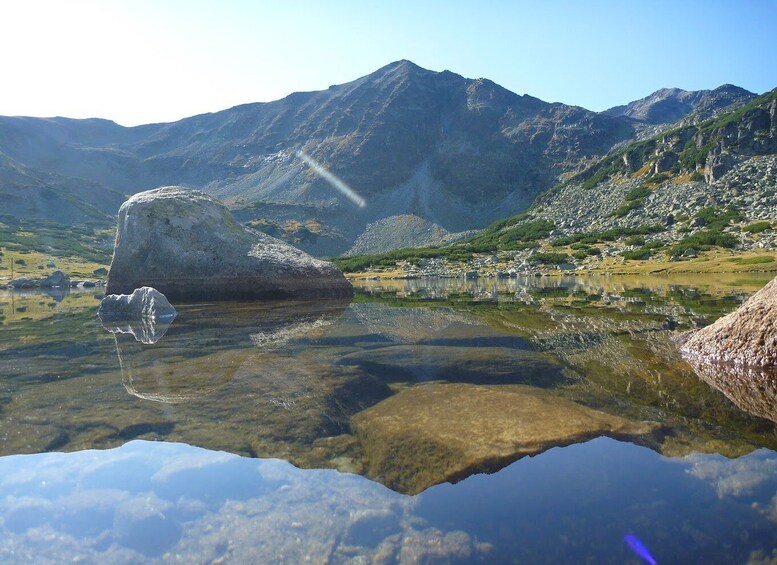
(457, 152)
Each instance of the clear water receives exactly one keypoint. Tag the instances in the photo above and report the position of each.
(527, 421)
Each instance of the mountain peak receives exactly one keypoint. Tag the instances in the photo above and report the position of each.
(667, 105)
(734, 89)
(403, 65)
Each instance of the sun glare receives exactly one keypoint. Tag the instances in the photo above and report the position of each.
(333, 180)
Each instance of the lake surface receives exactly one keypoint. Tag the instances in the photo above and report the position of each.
(536, 420)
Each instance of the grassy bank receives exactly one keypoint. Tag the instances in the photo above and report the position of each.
(713, 261)
(35, 264)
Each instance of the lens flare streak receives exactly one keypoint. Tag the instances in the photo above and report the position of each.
(321, 171)
(636, 545)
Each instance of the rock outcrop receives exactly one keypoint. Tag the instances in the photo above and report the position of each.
(747, 336)
(186, 244)
(57, 279)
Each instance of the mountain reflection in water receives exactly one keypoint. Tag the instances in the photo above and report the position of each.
(411, 385)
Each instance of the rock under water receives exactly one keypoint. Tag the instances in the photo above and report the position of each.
(434, 433)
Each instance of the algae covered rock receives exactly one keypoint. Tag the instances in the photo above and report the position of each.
(434, 433)
(187, 245)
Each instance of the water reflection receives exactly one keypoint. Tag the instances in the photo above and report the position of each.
(144, 330)
(165, 502)
(212, 344)
(752, 389)
(410, 385)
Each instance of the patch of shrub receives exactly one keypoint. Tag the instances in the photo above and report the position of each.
(607, 235)
(716, 219)
(580, 255)
(754, 260)
(504, 235)
(644, 252)
(757, 227)
(703, 240)
(627, 207)
(637, 255)
(634, 240)
(639, 192)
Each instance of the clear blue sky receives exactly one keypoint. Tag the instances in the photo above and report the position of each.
(140, 61)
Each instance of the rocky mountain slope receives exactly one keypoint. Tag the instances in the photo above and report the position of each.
(696, 187)
(669, 105)
(405, 230)
(456, 152)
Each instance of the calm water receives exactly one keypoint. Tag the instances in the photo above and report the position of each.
(531, 421)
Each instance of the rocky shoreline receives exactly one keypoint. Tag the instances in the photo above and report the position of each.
(57, 279)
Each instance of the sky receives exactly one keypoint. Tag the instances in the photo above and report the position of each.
(145, 61)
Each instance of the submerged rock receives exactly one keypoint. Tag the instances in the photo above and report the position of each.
(146, 314)
(186, 244)
(430, 434)
(747, 336)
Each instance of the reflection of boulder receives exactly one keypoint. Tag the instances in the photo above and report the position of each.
(146, 314)
(186, 244)
(481, 365)
(143, 330)
(407, 325)
(747, 336)
(209, 344)
(752, 389)
(445, 432)
(165, 375)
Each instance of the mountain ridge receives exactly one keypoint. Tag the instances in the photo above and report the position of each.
(457, 152)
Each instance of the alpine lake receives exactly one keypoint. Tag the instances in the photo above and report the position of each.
(534, 420)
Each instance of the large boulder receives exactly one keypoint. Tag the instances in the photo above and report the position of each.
(747, 336)
(187, 245)
(57, 279)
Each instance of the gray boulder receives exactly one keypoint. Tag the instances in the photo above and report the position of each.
(55, 279)
(146, 314)
(186, 244)
(24, 282)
